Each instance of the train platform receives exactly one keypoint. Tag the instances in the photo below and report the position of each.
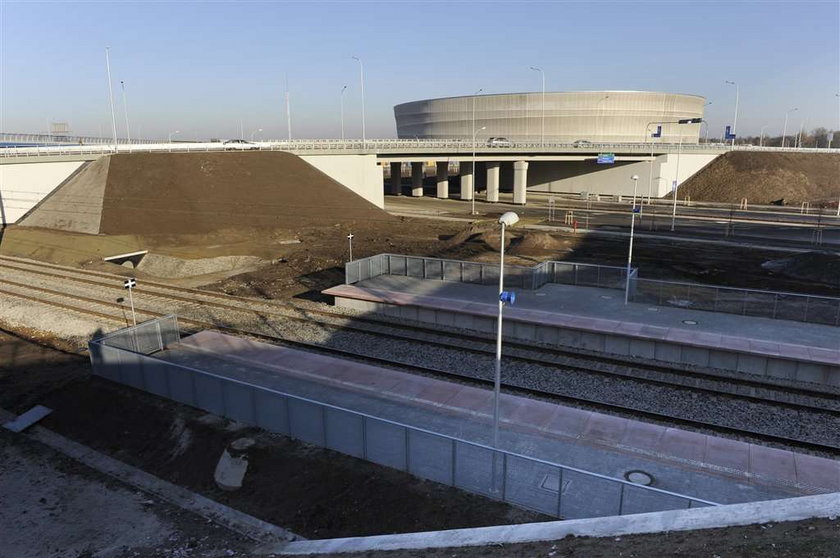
(597, 319)
(711, 468)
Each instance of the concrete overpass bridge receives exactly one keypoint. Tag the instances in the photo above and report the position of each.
(28, 174)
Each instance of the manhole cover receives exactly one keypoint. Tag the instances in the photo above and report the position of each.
(690, 322)
(639, 477)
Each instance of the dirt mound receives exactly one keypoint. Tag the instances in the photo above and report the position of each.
(179, 193)
(532, 243)
(823, 267)
(766, 177)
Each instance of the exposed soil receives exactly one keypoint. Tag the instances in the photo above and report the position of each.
(763, 178)
(160, 193)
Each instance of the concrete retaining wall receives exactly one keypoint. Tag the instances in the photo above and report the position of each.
(359, 173)
(23, 185)
(774, 369)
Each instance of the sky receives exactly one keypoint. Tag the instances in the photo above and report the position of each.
(218, 69)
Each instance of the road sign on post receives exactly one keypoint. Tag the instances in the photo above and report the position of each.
(130, 284)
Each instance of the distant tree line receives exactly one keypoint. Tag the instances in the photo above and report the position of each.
(818, 137)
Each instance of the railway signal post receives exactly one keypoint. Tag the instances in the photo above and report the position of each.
(130, 284)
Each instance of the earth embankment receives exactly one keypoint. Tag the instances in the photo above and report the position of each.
(177, 193)
(763, 178)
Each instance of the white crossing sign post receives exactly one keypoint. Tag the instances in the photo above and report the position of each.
(350, 240)
(130, 284)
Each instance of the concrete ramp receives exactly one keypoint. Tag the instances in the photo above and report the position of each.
(76, 204)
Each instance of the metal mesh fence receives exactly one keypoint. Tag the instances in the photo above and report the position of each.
(588, 275)
(527, 482)
(746, 302)
(146, 337)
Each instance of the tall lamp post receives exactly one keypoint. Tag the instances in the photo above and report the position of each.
(761, 136)
(341, 99)
(542, 118)
(472, 211)
(257, 131)
(172, 134)
(111, 94)
(473, 109)
(735, 121)
(125, 112)
(362, 84)
(635, 179)
(506, 220)
(784, 130)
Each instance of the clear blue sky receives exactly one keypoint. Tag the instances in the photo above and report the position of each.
(202, 67)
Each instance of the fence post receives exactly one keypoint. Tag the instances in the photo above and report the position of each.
(559, 490)
(407, 450)
(621, 499)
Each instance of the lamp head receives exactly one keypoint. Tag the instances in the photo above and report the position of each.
(634, 177)
(509, 219)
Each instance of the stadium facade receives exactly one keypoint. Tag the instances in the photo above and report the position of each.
(559, 117)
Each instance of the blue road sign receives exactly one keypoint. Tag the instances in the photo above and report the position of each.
(606, 158)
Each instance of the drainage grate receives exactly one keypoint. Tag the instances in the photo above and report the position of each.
(639, 477)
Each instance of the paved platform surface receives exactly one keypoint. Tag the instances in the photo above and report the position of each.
(707, 467)
(603, 310)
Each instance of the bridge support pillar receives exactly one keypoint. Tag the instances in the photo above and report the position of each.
(417, 180)
(443, 180)
(466, 180)
(493, 182)
(396, 179)
(520, 181)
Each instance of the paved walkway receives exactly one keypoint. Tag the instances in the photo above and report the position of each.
(707, 467)
(603, 310)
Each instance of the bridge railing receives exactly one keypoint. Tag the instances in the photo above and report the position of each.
(378, 146)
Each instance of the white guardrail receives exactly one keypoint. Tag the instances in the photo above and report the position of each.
(381, 146)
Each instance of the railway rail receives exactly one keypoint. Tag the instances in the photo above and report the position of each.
(790, 401)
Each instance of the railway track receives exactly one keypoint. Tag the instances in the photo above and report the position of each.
(809, 402)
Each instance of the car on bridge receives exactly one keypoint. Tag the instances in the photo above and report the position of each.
(499, 142)
(239, 144)
(581, 143)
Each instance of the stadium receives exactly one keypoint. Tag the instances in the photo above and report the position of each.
(554, 117)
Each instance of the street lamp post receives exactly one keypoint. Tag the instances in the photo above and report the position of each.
(111, 94)
(542, 118)
(125, 112)
(676, 184)
(472, 194)
(784, 130)
(172, 134)
(735, 121)
(761, 136)
(341, 99)
(506, 220)
(257, 131)
(635, 179)
(362, 84)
